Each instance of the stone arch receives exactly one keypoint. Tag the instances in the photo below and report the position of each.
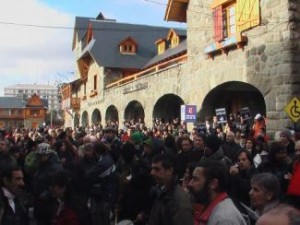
(233, 95)
(112, 114)
(85, 119)
(167, 107)
(76, 120)
(134, 111)
(96, 116)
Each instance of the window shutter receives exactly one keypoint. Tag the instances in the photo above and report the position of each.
(218, 23)
(247, 14)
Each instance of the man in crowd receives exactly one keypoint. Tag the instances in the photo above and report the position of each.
(281, 215)
(48, 164)
(208, 186)
(172, 205)
(6, 159)
(231, 148)
(12, 208)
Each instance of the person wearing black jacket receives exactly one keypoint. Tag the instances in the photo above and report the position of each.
(12, 208)
(240, 177)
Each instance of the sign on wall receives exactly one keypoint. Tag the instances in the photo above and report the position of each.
(293, 109)
(188, 113)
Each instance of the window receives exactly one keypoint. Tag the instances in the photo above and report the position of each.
(127, 49)
(231, 18)
(234, 16)
(229, 25)
(161, 47)
(34, 112)
(175, 41)
(95, 82)
(128, 46)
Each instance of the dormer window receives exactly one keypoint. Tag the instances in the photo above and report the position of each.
(128, 46)
(161, 46)
(173, 38)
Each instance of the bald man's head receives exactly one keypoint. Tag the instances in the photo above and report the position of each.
(281, 215)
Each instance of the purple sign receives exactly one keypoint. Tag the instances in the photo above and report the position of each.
(189, 113)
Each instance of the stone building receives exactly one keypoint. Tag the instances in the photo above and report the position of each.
(237, 53)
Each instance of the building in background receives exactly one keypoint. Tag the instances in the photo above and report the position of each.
(17, 112)
(45, 91)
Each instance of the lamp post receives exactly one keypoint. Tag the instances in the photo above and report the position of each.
(51, 118)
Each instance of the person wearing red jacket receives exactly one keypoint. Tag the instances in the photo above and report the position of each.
(293, 190)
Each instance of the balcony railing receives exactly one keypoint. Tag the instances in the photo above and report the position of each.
(180, 59)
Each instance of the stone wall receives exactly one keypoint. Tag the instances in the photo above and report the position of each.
(269, 61)
(266, 62)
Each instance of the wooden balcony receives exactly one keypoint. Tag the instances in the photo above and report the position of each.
(71, 103)
(75, 103)
(4, 116)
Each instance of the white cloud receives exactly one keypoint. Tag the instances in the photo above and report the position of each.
(31, 54)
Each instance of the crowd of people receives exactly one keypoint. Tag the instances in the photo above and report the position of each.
(216, 174)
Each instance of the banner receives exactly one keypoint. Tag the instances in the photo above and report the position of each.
(188, 113)
(245, 112)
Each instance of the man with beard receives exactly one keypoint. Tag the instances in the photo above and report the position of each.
(12, 209)
(208, 185)
(172, 205)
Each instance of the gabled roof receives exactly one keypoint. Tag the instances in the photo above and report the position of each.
(107, 35)
(180, 49)
(16, 102)
(81, 24)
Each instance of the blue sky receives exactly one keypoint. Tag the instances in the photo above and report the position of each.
(33, 54)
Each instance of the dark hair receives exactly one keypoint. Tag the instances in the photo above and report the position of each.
(186, 138)
(275, 147)
(72, 198)
(8, 172)
(213, 142)
(248, 155)
(268, 181)
(128, 152)
(100, 148)
(167, 160)
(215, 170)
(171, 143)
